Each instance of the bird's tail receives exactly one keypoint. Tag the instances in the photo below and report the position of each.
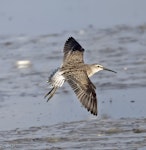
(51, 93)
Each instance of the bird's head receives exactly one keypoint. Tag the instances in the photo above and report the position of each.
(98, 67)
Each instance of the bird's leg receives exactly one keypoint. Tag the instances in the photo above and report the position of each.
(51, 93)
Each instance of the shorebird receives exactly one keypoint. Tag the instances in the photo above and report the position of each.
(76, 73)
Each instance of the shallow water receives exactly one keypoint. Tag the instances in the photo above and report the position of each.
(87, 134)
(28, 122)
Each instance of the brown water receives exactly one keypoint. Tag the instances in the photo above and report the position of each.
(28, 122)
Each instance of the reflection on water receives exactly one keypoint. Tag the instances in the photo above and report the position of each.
(26, 118)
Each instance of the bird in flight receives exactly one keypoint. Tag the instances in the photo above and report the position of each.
(76, 73)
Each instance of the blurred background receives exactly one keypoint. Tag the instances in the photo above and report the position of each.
(47, 16)
(32, 36)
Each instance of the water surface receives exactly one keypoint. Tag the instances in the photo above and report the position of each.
(27, 121)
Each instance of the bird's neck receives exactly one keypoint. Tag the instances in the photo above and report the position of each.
(91, 70)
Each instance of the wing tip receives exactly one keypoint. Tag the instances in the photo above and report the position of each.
(93, 112)
(72, 44)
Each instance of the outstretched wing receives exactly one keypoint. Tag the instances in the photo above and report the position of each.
(84, 89)
(73, 52)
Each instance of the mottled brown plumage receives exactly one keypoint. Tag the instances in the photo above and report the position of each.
(76, 73)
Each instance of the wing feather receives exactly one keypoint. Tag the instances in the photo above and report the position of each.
(73, 52)
(84, 89)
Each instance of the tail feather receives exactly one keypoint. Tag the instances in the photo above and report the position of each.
(51, 93)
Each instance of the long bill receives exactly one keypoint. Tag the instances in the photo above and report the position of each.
(109, 70)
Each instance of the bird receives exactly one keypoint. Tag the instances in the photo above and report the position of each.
(74, 71)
